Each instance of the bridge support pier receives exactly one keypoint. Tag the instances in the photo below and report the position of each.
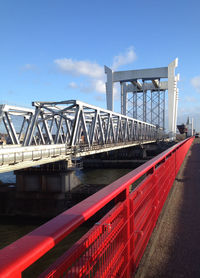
(44, 190)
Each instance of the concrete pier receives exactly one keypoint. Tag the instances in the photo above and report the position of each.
(38, 181)
(44, 190)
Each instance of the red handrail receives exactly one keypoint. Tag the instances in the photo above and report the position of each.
(16, 257)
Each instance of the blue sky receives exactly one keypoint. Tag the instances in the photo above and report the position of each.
(56, 50)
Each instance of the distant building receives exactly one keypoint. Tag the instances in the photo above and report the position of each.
(3, 139)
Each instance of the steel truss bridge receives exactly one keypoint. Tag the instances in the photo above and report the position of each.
(56, 131)
(53, 131)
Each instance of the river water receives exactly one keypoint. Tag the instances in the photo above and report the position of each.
(8, 177)
(13, 227)
(90, 176)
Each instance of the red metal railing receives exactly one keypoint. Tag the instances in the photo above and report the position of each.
(115, 245)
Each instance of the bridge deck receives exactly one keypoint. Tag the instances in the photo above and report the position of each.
(174, 248)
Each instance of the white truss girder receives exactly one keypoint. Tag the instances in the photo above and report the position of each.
(15, 121)
(62, 130)
(74, 123)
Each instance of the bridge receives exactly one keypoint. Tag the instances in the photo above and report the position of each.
(54, 131)
(62, 130)
(124, 213)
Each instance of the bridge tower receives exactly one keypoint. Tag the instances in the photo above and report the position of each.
(143, 94)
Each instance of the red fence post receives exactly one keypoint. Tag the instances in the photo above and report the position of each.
(156, 201)
(128, 271)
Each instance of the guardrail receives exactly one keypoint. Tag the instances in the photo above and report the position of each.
(115, 245)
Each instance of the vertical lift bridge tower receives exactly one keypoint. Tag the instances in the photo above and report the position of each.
(143, 94)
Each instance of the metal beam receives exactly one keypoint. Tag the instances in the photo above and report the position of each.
(147, 74)
(137, 84)
(172, 97)
(109, 88)
(163, 86)
(156, 83)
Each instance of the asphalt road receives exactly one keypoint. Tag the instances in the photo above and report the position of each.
(174, 247)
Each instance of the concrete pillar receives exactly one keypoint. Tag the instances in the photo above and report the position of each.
(192, 126)
(123, 98)
(172, 98)
(109, 88)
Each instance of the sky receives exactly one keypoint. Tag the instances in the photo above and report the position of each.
(56, 50)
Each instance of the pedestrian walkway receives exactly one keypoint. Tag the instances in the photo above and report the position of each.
(174, 247)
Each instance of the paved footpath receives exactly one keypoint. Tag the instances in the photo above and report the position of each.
(174, 248)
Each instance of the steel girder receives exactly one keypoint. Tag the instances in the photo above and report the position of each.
(14, 122)
(144, 101)
(142, 81)
(62, 130)
(148, 106)
(72, 123)
(75, 123)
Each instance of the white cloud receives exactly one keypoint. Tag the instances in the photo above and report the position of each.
(28, 67)
(73, 85)
(195, 81)
(123, 59)
(74, 67)
(99, 86)
(96, 85)
(94, 72)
